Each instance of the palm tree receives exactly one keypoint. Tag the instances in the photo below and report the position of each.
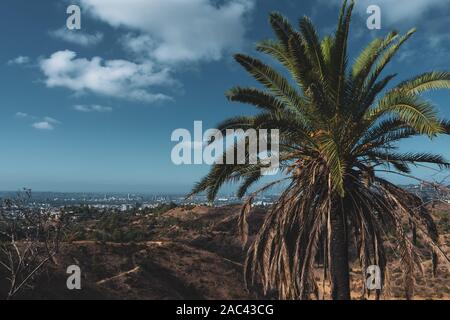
(339, 128)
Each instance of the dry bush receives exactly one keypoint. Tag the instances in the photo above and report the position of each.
(29, 239)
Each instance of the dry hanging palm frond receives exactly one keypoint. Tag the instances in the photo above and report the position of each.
(242, 221)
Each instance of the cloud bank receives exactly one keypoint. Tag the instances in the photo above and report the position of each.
(93, 108)
(158, 35)
(44, 125)
(20, 60)
(115, 78)
(77, 37)
(172, 31)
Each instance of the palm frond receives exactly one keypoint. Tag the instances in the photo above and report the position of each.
(416, 113)
(281, 27)
(426, 82)
(387, 57)
(332, 155)
(273, 81)
(255, 97)
(313, 45)
(412, 158)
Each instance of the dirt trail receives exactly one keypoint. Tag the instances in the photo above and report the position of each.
(123, 274)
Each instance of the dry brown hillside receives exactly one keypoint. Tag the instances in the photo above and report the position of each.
(192, 253)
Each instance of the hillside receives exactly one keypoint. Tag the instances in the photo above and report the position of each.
(189, 253)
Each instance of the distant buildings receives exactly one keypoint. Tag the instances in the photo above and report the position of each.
(428, 192)
(126, 202)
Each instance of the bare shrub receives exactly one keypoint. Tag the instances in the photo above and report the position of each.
(30, 236)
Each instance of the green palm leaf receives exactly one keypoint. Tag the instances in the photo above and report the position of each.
(426, 82)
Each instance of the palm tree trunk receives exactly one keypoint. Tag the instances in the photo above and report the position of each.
(339, 266)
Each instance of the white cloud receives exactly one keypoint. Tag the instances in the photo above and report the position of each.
(51, 120)
(44, 125)
(435, 40)
(406, 55)
(398, 11)
(92, 108)
(141, 46)
(19, 60)
(114, 78)
(77, 37)
(172, 31)
(22, 115)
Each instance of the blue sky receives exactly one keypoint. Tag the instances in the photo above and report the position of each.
(94, 109)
